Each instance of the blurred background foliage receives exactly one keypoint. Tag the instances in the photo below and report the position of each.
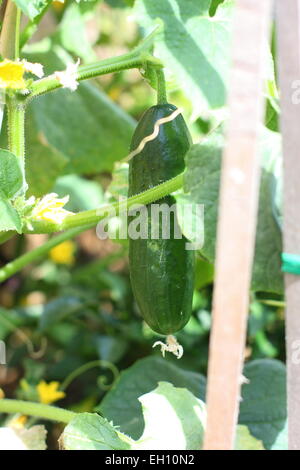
(76, 306)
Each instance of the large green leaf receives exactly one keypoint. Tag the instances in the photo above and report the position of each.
(263, 408)
(174, 419)
(72, 33)
(193, 46)
(84, 128)
(121, 403)
(202, 181)
(44, 163)
(32, 8)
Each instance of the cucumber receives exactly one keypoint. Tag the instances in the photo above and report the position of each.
(161, 270)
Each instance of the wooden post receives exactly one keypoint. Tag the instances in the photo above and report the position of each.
(288, 35)
(237, 221)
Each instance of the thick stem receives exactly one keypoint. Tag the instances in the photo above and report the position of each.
(39, 410)
(146, 197)
(16, 123)
(84, 221)
(16, 132)
(116, 64)
(161, 87)
(7, 43)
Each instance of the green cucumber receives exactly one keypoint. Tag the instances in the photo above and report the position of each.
(161, 270)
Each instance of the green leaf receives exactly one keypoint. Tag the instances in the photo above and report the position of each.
(10, 174)
(43, 162)
(9, 217)
(89, 431)
(32, 8)
(121, 404)
(202, 181)
(193, 46)
(111, 348)
(244, 440)
(72, 33)
(174, 419)
(84, 194)
(263, 408)
(84, 127)
(59, 309)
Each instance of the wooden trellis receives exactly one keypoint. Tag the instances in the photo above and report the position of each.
(238, 212)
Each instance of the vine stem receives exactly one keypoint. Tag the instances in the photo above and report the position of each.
(85, 220)
(39, 410)
(93, 216)
(116, 64)
(19, 263)
(136, 58)
(85, 367)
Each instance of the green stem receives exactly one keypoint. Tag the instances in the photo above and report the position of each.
(7, 43)
(16, 132)
(161, 87)
(85, 220)
(16, 123)
(150, 195)
(17, 34)
(116, 64)
(19, 263)
(39, 410)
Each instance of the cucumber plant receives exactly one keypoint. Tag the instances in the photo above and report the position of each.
(60, 131)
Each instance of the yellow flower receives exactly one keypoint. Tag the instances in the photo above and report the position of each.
(2, 395)
(11, 74)
(50, 208)
(63, 253)
(48, 392)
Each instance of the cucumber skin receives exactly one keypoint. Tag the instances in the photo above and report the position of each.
(161, 271)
